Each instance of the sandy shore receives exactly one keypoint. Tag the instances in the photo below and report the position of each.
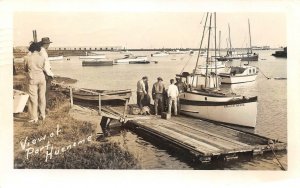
(62, 141)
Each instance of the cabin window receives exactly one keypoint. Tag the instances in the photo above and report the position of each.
(205, 98)
(250, 71)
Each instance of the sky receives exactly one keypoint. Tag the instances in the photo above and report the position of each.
(146, 29)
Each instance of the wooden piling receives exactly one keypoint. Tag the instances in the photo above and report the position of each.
(125, 109)
(71, 96)
(99, 104)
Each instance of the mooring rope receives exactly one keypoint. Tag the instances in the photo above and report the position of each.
(263, 73)
(281, 166)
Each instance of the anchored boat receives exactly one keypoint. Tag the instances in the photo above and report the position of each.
(97, 62)
(242, 74)
(207, 101)
(160, 54)
(132, 60)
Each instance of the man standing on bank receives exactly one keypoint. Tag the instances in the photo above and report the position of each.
(45, 43)
(173, 96)
(141, 91)
(34, 65)
(158, 90)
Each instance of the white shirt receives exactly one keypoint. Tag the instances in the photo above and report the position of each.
(173, 91)
(47, 66)
(141, 86)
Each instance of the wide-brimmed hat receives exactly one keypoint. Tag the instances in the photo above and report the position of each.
(45, 40)
(159, 78)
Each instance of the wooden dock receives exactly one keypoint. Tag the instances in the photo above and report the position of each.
(205, 141)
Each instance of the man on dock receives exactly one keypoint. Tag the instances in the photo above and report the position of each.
(45, 42)
(141, 91)
(173, 97)
(158, 91)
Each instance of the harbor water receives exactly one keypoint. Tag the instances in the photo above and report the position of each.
(272, 101)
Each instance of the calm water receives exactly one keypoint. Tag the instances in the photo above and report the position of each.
(272, 97)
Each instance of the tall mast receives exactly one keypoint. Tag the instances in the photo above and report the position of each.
(207, 57)
(215, 15)
(201, 42)
(250, 36)
(219, 43)
(230, 46)
(200, 48)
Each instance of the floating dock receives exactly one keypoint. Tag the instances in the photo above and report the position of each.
(205, 141)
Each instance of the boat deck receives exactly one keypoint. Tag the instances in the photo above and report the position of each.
(204, 140)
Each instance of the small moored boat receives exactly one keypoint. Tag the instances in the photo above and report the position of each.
(97, 62)
(159, 54)
(235, 75)
(132, 60)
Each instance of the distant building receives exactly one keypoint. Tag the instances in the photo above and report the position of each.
(86, 48)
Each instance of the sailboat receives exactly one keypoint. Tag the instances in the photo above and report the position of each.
(250, 56)
(206, 101)
(242, 73)
(231, 53)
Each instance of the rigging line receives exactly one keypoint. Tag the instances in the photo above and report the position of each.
(200, 47)
(202, 18)
(186, 64)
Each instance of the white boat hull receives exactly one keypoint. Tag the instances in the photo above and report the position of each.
(130, 60)
(224, 109)
(231, 79)
(56, 58)
(242, 74)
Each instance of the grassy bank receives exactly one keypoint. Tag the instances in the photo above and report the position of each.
(62, 142)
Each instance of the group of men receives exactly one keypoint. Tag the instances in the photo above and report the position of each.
(159, 95)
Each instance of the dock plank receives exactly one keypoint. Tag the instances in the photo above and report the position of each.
(223, 144)
(240, 136)
(204, 138)
(200, 146)
(209, 138)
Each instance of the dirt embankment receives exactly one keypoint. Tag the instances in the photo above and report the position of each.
(60, 141)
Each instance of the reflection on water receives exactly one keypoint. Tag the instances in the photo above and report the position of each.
(272, 100)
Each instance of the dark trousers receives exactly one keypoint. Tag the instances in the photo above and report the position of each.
(140, 96)
(158, 101)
